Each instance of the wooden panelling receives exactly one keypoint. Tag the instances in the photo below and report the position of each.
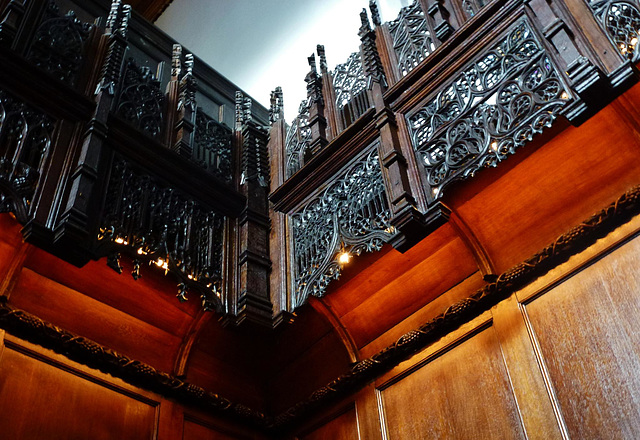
(464, 393)
(41, 398)
(90, 318)
(342, 427)
(587, 330)
(195, 431)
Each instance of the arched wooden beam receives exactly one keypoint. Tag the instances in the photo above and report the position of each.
(320, 306)
(182, 357)
(480, 254)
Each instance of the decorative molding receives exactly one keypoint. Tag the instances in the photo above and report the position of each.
(85, 351)
(621, 22)
(350, 216)
(59, 44)
(158, 224)
(141, 101)
(495, 105)
(412, 40)
(26, 136)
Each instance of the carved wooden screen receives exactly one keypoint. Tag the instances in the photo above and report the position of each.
(621, 22)
(412, 39)
(495, 105)
(350, 85)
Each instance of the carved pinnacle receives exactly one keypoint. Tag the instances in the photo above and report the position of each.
(375, 12)
(323, 59)
(276, 111)
(176, 57)
(365, 27)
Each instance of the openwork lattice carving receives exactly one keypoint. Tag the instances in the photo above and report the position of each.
(212, 146)
(157, 223)
(350, 85)
(412, 40)
(621, 21)
(59, 44)
(351, 215)
(494, 106)
(141, 101)
(25, 138)
(298, 139)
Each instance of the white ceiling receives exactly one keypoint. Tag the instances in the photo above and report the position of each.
(262, 44)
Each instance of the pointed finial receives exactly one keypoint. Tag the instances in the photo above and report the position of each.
(176, 62)
(323, 59)
(375, 12)
(364, 20)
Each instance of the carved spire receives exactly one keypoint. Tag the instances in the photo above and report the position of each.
(243, 110)
(276, 112)
(176, 62)
(314, 83)
(188, 84)
(375, 12)
(323, 59)
(117, 27)
(370, 57)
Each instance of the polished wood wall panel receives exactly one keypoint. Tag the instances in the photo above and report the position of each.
(195, 431)
(40, 399)
(587, 329)
(342, 427)
(463, 393)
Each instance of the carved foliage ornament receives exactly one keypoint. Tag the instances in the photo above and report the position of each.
(158, 224)
(494, 106)
(59, 44)
(621, 21)
(412, 41)
(212, 146)
(141, 101)
(298, 139)
(350, 216)
(25, 138)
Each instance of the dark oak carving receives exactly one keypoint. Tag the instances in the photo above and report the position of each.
(621, 21)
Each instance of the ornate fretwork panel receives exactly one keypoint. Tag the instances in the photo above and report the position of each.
(621, 21)
(141, 101)
(212, 146)
(25, 139)
(351, 215)
(495, 105)
(156, 223)
(412, 40)
(298, 139)
(59, 44)
(350, 85)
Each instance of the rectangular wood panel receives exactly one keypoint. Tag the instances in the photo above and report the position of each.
(587, 329)
(342, 427)
(40, 399)
(463, 394)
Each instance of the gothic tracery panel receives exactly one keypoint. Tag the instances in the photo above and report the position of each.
(621, 22)
(350, 216)
(297, 140)
(412, 40)
(350, 85)
(212, 146)
(495, 105)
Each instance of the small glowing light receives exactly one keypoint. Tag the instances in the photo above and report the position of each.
(119, 240)
(564, 95)
(190, 276)
(160, 262)
(435, 191)
(344, 257)
(140, 251)
(494, 145)
(633, 41)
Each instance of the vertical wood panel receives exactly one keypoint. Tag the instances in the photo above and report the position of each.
(39, 400)
(196, 431)
(587, 329)
(343, 427)
(464, 393)
(533, 399)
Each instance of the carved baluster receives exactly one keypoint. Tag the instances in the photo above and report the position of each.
(393, 155)
(317, 121)
(11, 19)
(253, 265)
